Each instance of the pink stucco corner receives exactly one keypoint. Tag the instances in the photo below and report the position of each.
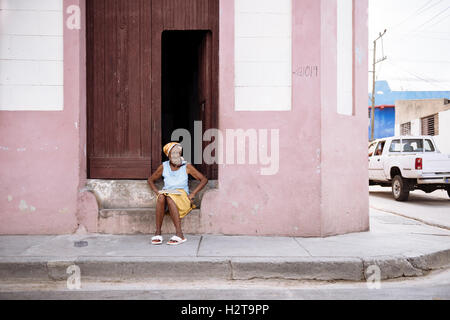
(322, 192)
(325, 191)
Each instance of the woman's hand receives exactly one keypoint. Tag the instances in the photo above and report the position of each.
(155, 176)
(198, 176)
(191, 197)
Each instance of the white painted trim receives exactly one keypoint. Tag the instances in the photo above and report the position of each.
(345, 57)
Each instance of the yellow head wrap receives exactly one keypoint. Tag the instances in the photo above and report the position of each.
(168, 147)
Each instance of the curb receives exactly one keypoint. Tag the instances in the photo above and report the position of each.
(227, 268)
(325, 269)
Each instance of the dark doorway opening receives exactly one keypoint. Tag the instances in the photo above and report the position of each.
(185, 83)
(124, 80)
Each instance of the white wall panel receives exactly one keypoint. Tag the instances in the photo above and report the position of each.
(443, 140)
(345, 57)
(31, 55)
(263, 55)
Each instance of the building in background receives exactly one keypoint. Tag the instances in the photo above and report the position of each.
(385, 103)
(429, 117)
(90, 91)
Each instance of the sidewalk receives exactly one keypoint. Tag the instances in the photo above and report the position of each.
(432, 209)
(399, 246)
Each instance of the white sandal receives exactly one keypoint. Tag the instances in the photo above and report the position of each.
(159, 240)
(176, 241)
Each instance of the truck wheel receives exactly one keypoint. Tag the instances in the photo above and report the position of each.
(400, 189)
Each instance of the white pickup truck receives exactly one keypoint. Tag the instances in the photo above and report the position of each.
(407, 164)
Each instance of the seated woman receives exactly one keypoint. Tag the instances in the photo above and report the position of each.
(175, 197)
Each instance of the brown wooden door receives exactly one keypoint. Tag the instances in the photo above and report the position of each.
(118, 88)
(124, 80)
(207, 99)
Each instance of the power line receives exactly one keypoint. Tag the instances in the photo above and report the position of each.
(432, 6)
(432, 82)
(375, 62)
(418, 12)
(422, 36)
(379, 71)
(429, 31)
(423, 61)
(404, 36)
(434, 17)
(410, 16)
(445, 17)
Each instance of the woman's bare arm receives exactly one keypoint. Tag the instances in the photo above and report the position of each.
(198, 176)
(155, 176)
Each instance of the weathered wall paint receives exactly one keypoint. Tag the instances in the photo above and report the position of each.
(314, 192)
(344, 167)
(317, 191)
(43, 160)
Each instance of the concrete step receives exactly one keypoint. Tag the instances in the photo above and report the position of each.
(129, 221)
(113, 194)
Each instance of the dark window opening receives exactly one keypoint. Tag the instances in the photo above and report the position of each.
(430, 125)
(405, 129)
(181, 105)
(380, 148)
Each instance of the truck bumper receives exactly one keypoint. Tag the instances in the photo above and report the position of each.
(440, 180)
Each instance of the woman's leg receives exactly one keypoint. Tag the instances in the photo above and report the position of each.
(160, 208)
(175, 214)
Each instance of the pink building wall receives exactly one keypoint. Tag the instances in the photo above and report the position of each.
(345, 190)
(318, 191)
(40, 186)
(321, 188)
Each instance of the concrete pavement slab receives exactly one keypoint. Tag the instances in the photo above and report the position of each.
(13, 246)
(390, 235)
(399, 246)
(235, 246)
(383, 228)
(370, 245)
(107, 245)
(433, 209)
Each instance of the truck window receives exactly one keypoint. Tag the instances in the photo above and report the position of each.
(380, 148)
(412, 145)
(372, 149)
(395, 146)
(429, 147)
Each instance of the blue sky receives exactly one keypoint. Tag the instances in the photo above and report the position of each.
(417, 43)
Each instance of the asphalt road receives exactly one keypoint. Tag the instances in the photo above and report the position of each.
(435, 286)
(432, 209)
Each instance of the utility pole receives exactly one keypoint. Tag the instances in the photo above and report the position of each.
(375, 61)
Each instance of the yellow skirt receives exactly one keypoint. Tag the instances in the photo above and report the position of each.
(182, 202)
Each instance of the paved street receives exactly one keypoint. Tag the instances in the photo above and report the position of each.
(220, 267)
(435, 286)
(433, 209)
(245, 268)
